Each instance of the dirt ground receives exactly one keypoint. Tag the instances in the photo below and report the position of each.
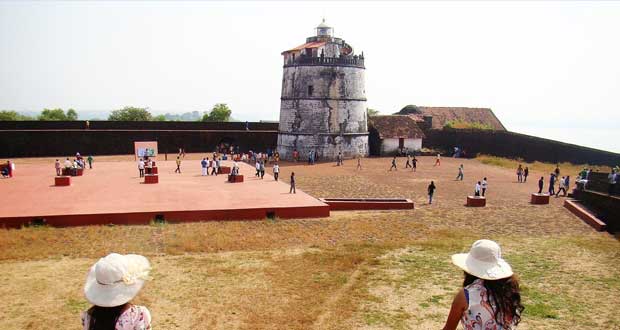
(353, 270)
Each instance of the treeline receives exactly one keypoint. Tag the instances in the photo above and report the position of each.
(219, 112)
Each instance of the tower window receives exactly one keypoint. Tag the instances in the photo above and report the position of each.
(310, 90)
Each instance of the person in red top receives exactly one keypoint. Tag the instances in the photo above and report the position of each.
(295, 155)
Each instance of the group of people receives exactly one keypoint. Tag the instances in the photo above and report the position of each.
(205, 164)
(489, 297)
(7, 169)
(563, 183)
(145, 165)
(522, 174)
(73, 166)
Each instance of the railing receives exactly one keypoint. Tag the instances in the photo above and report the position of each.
(356, 61)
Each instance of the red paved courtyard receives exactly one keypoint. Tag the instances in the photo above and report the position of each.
(112, 192)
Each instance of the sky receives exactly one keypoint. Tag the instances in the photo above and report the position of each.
(549, 69)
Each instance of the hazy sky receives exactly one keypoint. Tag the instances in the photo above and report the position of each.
(546, 69)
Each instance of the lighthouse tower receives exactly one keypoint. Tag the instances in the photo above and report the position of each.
(323, 103)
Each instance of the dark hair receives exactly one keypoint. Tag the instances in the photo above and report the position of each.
(104, 318)
(504, 294)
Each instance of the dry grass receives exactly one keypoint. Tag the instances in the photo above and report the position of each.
(565, 168)
(372, 270)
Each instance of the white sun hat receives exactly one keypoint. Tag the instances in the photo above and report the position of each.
(116, 279)
(484, 261)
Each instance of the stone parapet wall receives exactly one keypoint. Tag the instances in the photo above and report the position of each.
(326, 146)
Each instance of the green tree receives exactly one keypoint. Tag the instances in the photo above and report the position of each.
(220, 112)
(160, 118)
(72, 114)
(13, 116)
(53, 114)
(372, 112)
(130, 114)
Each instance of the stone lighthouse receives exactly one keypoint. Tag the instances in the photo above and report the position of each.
(323, 103)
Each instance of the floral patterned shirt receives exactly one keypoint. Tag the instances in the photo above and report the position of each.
(133, 318)
(479, 314)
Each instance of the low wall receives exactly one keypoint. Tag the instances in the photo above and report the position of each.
(515, 145)
(43, 143)
(606, 208)
(135, 125)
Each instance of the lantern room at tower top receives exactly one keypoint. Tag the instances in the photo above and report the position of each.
(323, 48)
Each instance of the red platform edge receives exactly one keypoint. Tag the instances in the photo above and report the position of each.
(476, 201)
(143, 218)
(62, 181)
(237, 178)
(347, 204)
(585, 215)
(151, 178)
(539, 199)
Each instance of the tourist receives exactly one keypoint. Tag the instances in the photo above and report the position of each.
(292, 190)
(484, 186)
(276, 171)
(520, 173)
(214, 166)
(414, 163)
(490, 298)
(408, 164)
(74, 168)
(551, 184)
(561, 187)
(218, 165)
(477, 189)
(613, 180)
(141, 168)
(149, 166)
(359, 162)
(526, 172)
(257, 169)
(262, 169)
(557, 170)
(438, 160)
(178, 170)
(57, 166)
(204, 164)
(68, 164)
(295, 155)
(460, 175)
(339, 159)
(110, 286)
(90, 161)
(393, 164)
(431, 190)
(541, 183)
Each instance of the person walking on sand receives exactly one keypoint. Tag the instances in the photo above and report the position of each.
(519, 174)
(541, 183)
(178, 170)
(414, 163)
(276, 171)
(90, 160)
(257, 168)
(359, 162)
(408, 164)
(292, 190)
(214, 167)
(526, 172)
(393, 164)
(431, 190)
(551, 184)
(339, 159)
(262, 169)
(57, 166)
(438, 160)
(490, 297)
(484, 186)
(141, 168)
(477, 189)
(204, 164)
(460, 175)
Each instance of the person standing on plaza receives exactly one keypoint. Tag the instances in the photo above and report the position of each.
(541, 183)
(218, 164)
(203, 164)
(431, 190)
(339, 159)
(484, 186)
(178, 170)
(262, 169)
(90, 160)
(393, 164)
(292, 190)
(477, 189)
(460, 175)
(57, 166)
(214, 166)
(520, 174)
(612, 178)
(408, 164)
(276, 171)
(561, 187)
(438, 160)
(141, 168)
(359, 162)
(551, 184)
(526, 172)
(149, 166)
(68, 164)
(295, 155)
(257, 165)
(414, 163)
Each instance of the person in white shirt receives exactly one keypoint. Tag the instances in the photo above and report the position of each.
(484, 186)
(276, 171)
(214, 167)
(141, 168)
(67, 163)
(257, 167)
(477, 189)
(149, 166)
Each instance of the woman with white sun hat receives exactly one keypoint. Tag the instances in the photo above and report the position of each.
(111, 284)
(490, 298)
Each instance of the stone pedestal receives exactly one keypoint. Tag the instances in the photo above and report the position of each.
(235, 178)
(62, 181)
(539, 199)
(80, 171)
(154, 170)
(476, 201)
(151, 178)
(224, 170)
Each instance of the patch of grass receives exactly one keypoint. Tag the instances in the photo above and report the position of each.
(461, 124)
(395, 320)
(565, 167)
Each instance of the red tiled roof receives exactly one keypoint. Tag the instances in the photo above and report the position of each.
(314, 44)
(395, 126)
(441, 115)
